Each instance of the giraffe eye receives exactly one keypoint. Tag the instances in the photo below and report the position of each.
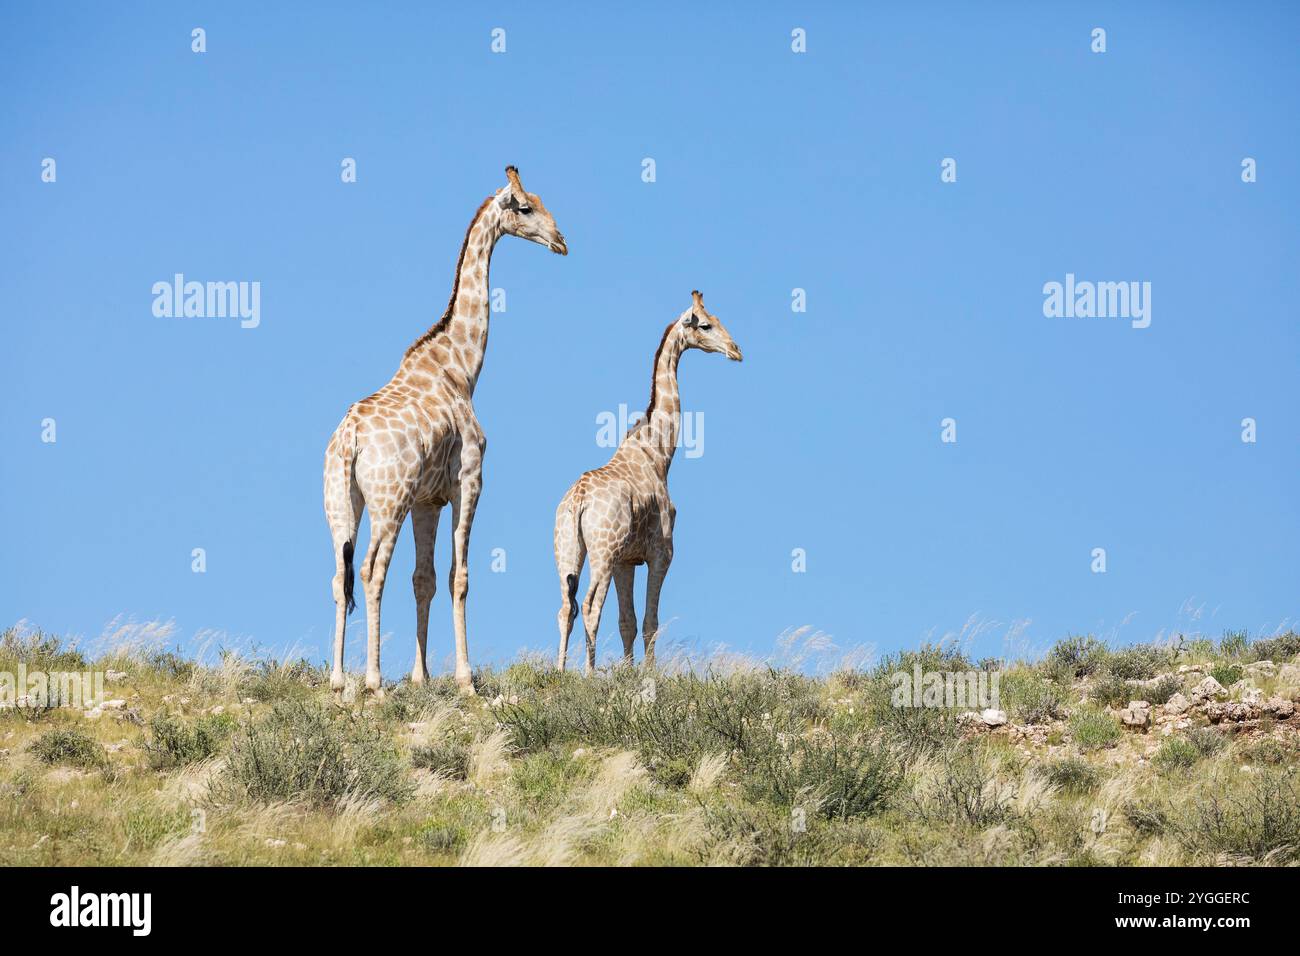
(705, 328)
(525, 210)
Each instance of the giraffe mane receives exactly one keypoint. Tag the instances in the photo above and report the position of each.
(654, 373)
(441, 325)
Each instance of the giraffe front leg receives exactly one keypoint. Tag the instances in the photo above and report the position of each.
(424, 526)
(462, 520)
(624, 575)
(656, 570)
(591, 608)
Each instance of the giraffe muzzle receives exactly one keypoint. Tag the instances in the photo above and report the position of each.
(559, 246)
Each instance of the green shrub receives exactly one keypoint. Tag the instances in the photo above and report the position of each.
(1281, 648)
(530, 675)
(1253, 820)
(169, 665)
(1176, 753)
(1031, 699)
(1075, 657)
(1110, 690)
(69, 746)
(449, 757)
(1234, 644)
(1147, 818)
(407, 702)
(314, 752)
(1163, 689)
(1072, 775)
(1092, 729)
(913, 730)
(1272, 751)
(1227, 674)
(271, 681)
(962, 791)
(1207, 740)
(1140, 662)
(39, 651)
(845, 776)
(174, 742)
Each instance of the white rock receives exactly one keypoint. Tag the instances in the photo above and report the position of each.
(1177, 704)
(113, 676)
(275, 844)
(1136, 714)
(1208, 689)
(993, 718)
(1262, 668)
(117, 704)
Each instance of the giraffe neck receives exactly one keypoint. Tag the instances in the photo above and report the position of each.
(657, 435)
(458, 341)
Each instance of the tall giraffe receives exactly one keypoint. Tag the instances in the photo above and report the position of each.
(620, 515)
(415, 445)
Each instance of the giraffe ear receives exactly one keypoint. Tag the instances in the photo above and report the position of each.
(692, 322)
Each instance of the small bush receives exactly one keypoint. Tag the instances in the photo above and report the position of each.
(1075, 657)
(1030, 698)
(169, 665)
(962, 790)
(320, 754)
(1163, 689)
(1111, 690)
(1137, 663)
(1147, 818)
(1227, 674)
(1093, 729)
(68, 746)
(449, 757)
(848, 777)
(39, 651)
(1072, 775)
(1272, 751)
(1234, 644)
(1261, 819)
(175, 743)
(1176, 753)
(1281, 648)
(1207, 740)
(270, 681)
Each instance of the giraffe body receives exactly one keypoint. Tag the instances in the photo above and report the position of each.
(415, 446)
(620, 516)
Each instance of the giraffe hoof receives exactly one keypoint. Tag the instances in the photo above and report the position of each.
(466, 686)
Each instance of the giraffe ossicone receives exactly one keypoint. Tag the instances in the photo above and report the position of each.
(620, 515)
(415, 445)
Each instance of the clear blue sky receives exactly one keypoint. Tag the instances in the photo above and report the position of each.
(774, 171)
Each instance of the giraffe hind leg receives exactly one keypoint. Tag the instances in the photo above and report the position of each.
(570, 554)
(343, 507)
(624, 576)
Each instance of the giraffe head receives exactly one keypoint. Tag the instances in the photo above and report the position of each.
(701, 330)
(523, 215)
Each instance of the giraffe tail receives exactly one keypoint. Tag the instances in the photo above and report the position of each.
(347, 447)
(348, 581)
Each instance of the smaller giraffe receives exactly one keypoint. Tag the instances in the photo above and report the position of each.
(620, 515)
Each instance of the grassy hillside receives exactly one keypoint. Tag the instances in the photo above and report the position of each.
(249, 762)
